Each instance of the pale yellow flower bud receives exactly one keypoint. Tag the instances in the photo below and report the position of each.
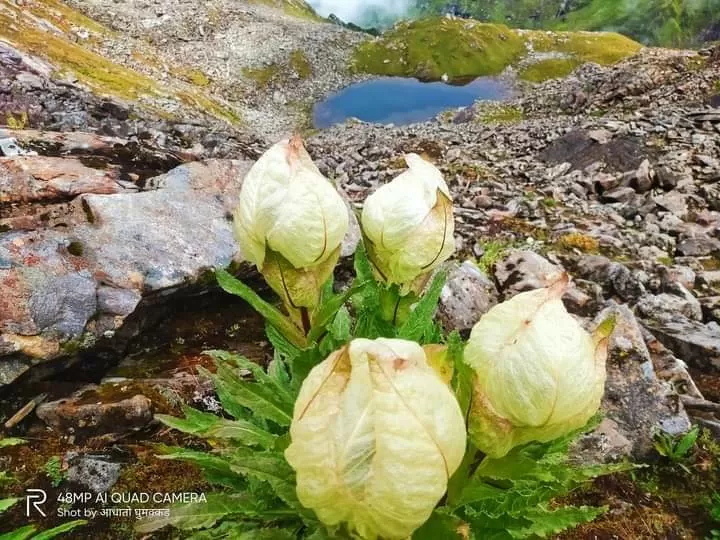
(376, 435)
(408, 223)
(288, 206)
(538, 374)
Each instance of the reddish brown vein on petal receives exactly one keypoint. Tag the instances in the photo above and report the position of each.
(445, 230)
(338, 357)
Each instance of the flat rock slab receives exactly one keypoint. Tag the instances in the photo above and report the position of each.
(64, 288)
(84, 417)
(696, 343)
(25, 179)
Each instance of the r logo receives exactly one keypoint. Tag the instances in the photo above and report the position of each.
(33, 499)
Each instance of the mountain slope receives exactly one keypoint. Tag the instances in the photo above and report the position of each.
(656, 22)
(256, 64)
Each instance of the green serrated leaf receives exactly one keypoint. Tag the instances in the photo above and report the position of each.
(362, 265)
(211, 426)
(420, 321)
(477, 491)
(271, 468)
(330, 309)
(441, 525)
(546, 522)
(269, 312)
(280, 344)
(263, 400)
(60, 529)
(341, 325)
(319, 533)
(686, 442)
(302, 364)
(216, 468)
(238, 361)
(277, 371)
(203, 515)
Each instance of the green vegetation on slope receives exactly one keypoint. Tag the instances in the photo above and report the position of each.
(663, 22)
(654, 22)
(297, 66)
(429, 48)
(574, 49)
(464, 49)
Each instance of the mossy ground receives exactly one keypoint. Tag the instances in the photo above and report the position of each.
(662, 500)
(578, 241)
(297, 65)
(656, 22)
(490, 113)
(430, 48)
(549, 68)
(463, 49)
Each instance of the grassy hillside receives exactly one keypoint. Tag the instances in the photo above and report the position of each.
(657, 22)
(463, 49)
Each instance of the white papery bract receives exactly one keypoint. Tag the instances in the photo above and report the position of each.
(287, 205)
(538, 374)
(376, 435)
(408, 223)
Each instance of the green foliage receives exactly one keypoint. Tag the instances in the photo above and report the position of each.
(550, 68)
(512, 497)
(462, 50)
(655, 22)
(248, 456)
(5, 477)
(300, 64)
(493, 251)
(714, 508)
(7, 503)
(418, 324)
(491, 113)
(269, 312)
(430, 48)
(675, 448)
(53, 469)
(30, 531)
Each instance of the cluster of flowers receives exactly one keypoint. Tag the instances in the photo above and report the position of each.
(377, 432)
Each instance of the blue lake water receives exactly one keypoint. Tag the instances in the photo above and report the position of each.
(396, 100)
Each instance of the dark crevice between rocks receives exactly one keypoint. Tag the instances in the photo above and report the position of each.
(160, 339)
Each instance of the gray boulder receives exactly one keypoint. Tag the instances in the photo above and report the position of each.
(468, 294)
(636, 399)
